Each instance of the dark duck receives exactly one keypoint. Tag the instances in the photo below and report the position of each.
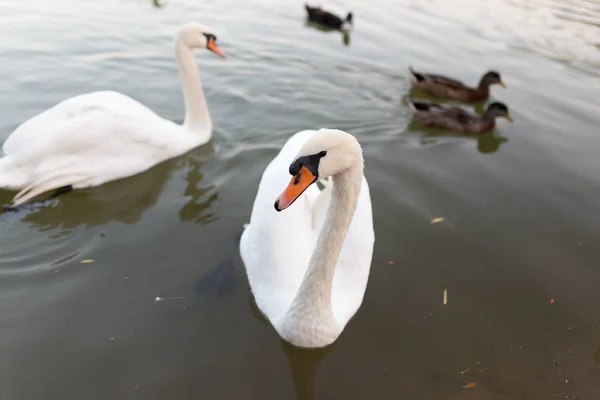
(444, 87)
(327, 19)
(457, 119)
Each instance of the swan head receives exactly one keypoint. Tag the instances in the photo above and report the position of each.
(327, 153)
(195, 35)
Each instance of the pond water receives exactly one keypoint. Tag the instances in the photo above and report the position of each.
(518, 249)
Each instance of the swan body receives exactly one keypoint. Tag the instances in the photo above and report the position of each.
(98, 137)
(308, 265)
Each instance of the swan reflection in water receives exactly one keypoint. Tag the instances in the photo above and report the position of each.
(124, 200)
(303, 362)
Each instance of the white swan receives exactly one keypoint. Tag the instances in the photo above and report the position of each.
(308, 266)
(98, 137)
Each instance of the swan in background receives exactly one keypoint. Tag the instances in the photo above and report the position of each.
(308, 266)
(98, 137)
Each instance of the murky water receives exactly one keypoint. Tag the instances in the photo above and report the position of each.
(520, 205)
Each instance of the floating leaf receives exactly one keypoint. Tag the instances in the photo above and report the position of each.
(465, 371)
(391, 262)
(445, 301)
(88, 261)
(551, 301)
(437, 220)
(469, 385)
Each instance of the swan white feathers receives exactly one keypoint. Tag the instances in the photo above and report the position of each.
(98, 137)
(308, 266)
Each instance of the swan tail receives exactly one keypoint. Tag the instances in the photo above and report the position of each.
(11, 177)
(43, 186)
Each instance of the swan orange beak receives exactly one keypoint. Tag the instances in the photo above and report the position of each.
(298, 184)
(212, 46)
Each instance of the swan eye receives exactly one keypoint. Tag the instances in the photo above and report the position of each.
(209, 37)
(211, 44)
(322, 153)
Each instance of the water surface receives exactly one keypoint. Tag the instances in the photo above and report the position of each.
(520, 205)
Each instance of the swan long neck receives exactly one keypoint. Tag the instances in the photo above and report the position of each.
(314, 295)
(197, 117)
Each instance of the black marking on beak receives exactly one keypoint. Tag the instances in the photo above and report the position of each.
(311, 162)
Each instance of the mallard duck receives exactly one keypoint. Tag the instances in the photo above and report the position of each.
(457, 119)
(441, 86)
(328, 19)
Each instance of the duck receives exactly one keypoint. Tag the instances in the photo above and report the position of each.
(97, 137)
(443, 87)
(307, 250)
(457, 119)
(327, 19)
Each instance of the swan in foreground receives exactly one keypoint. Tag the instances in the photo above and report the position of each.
(98, 137)
(308, 266)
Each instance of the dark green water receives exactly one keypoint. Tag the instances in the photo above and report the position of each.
(520, 206)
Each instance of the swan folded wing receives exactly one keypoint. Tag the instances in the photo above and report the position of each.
(353, 267)
(276, 252)
(61, 114)
(276, 247)
(113, 147)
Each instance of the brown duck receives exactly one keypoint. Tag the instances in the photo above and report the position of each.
(444, 87)
(457, 119)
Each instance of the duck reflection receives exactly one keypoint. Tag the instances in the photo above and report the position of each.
(124, 200)
(303, 362)
(324, 29)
